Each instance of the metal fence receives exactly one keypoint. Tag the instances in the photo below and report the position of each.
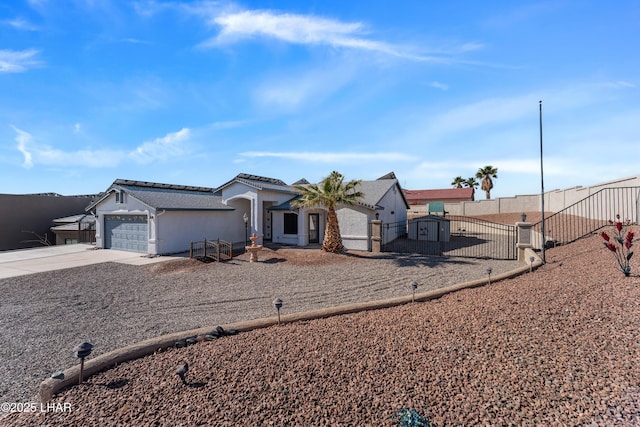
(588, 216)
(218, 250)
(453, 236)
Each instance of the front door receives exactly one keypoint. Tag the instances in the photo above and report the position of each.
(314, 223)
(267, 225)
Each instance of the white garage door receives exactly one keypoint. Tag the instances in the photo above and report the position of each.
(126, 232)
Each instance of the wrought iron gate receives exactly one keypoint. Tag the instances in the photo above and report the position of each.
(453, 236)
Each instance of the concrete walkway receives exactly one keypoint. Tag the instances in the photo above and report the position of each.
(37, 260)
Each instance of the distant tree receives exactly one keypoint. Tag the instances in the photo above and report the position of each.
(485, 174)
(330, 193)
(457, 182)
(470, 183)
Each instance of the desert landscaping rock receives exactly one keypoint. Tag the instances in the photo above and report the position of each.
(44, 316)
(559, 346)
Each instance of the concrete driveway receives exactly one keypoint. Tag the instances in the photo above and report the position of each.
(37, 260)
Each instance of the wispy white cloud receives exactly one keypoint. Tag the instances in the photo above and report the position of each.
(501, 111)
(20, 24)
(16, 61)
(523, 12)
(290, 92)
(336, 157)
(619, 84)
(134, 41)
(169, 146)
(23, 139)
(439, 85)
(308, 30)
(85, 157)
(229, 124)
(34, 154)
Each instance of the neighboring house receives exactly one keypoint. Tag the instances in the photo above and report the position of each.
(25, 219)
(154, 218)
(424, 202)
(74, 229)
(157, 218)
(447, 195)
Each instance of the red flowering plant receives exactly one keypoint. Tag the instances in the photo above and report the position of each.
(620, 244)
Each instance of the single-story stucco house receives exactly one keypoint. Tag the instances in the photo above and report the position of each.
(425, 202)
(155, 218)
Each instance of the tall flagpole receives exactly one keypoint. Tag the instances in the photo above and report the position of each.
(544, 243)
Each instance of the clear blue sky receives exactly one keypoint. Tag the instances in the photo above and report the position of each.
(195, 92)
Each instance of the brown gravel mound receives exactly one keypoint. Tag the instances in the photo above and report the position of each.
(559, 346)
(292, 256)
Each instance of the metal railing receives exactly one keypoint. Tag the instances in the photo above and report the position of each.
(587, 216)
(453, 236)
(218, 250)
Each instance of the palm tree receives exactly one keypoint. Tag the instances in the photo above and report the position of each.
(329, 193)
(470, 183)
(457, 182)
(486, 173)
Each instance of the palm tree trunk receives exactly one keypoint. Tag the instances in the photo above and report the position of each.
(332, 241)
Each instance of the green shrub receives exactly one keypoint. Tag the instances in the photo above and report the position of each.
(410, 418)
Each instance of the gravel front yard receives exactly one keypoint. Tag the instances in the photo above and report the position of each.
(559, 346)
(44, 316)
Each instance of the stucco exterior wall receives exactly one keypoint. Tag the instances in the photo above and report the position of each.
(26, 212)
(259, 201)
(277, 224)
(130, 206)
(177, 229)
(394, 207)
(354, 227)
(554, 200)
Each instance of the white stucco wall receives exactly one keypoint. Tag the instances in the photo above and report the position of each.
(259, 201)
(109, 206)
(394, 211)
(277, 234)
(354, 227)
(177, 229)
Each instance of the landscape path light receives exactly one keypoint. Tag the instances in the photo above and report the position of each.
(181, 371)
(531, 259)
(277, 303)
(489, 270)
(245, 218)
(414, 286)
(81, 351)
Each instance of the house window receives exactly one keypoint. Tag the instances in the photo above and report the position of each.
(290, 223)
(119, 196)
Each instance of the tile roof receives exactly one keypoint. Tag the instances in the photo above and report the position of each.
(373, 192)
(258, 182)
(440, 194)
